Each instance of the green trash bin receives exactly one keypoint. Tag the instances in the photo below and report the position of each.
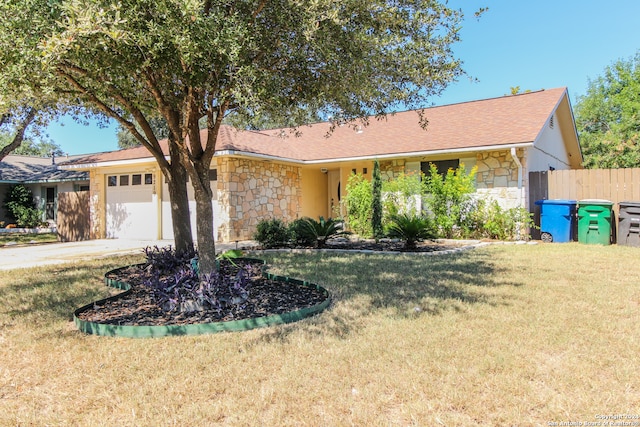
(594, 222)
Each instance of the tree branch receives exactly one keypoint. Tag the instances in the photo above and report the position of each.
(173, 120)
(151, 144)
(19, 136)
(261, 6)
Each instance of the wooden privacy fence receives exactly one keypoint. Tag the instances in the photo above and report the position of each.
(614, 185)
(73, 216)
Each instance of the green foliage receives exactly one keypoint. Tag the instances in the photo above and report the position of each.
(272, 233)
(298, 235)
(19, 195)
(20, 206)
(27, 217)
(487, 219)
(127, 140)
(402, 194)
(410, 228)
(29, 147)
(446, 197)
(376, 201)
(359, 201)
(322, 230)
(608, 117)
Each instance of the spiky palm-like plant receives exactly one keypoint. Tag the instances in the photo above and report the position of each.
(320, 231)
(411, 229)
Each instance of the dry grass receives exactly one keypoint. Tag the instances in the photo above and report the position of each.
(506, 335)
(23, 238)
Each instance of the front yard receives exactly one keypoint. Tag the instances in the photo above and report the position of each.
(503, 335)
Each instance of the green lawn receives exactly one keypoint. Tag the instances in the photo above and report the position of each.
(24, 238)
(505, 335)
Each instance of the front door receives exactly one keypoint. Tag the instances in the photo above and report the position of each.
(334, 193)
(50, 203)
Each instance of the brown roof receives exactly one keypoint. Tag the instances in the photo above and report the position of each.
(507, 120)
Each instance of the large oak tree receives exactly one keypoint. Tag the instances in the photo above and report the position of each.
(185, 60)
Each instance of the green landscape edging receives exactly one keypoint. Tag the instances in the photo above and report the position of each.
(130, 331)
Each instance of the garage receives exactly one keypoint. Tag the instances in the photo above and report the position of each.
(167, 225)
(131, 206)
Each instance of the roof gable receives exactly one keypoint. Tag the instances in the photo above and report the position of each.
(485, 124)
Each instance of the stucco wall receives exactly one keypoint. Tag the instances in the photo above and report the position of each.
(549, 151)
(249, 191)
(314, 193)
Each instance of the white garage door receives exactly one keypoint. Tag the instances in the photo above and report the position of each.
(131, 207)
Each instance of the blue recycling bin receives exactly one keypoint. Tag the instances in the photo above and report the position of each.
(557, 220)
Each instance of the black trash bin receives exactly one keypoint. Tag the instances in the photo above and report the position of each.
(629, 224)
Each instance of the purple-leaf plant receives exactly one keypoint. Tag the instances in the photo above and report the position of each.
(176, 286)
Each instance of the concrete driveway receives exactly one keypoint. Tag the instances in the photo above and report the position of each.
(23, 256)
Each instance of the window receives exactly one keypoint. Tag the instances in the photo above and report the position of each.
(112, 181)
(364, 171)
(213, 174)
(84, 188)
(148, 179)
(442, 165)
(124, 180)
(136, 179)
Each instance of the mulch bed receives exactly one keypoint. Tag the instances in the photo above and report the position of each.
(138, 308)
(266, 297)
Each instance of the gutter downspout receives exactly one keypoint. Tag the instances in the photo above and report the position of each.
(514, 156)
(517, 162)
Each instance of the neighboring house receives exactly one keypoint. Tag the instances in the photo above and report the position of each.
(44, 178)
(260, 175)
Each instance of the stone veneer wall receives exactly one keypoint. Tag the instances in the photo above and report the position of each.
(250, 191)
(497, 177)
(391, 168)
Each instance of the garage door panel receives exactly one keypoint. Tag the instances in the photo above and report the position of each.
(131, 212)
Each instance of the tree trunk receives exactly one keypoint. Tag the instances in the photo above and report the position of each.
(179, 199)
(204, 215)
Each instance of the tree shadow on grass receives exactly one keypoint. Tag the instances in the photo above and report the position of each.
(51, 294)
(400, 286)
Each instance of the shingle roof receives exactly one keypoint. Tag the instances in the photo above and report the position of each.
(28, 169)
(508, 120)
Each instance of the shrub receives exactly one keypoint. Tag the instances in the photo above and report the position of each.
(20, 206)
(27, 217)
(487, 219)
(322, 230)
(410, 228)
(447, 197)
(359, 200)
(272, 233)
(298, 235)
(376, 201)
(402, 194)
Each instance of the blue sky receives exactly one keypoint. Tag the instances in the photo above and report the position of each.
(534, 44)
